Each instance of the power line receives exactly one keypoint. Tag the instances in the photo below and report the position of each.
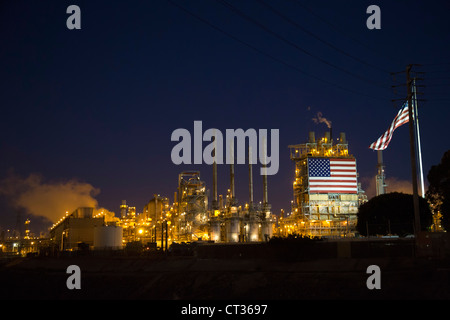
(271, 56)
(438, 64)
(295, 24)
(339, 30)
(290, 43)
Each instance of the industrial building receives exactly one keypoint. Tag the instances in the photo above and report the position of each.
(192, 217)
(230, 222)
(326, 191)
(326, 198)
(84, 228)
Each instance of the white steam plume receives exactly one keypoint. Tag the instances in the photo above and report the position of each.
(321, 119)
(49, 200)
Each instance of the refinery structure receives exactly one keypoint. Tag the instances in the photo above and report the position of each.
(326, 198)
(192, 216)
(326, 191)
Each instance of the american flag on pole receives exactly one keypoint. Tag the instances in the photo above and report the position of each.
(401, 118)
(328, 175)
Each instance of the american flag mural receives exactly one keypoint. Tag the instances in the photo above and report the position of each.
(328, 175)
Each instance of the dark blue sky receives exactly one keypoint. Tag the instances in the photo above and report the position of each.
(99, 104)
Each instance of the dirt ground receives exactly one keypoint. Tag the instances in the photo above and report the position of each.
(193, 278)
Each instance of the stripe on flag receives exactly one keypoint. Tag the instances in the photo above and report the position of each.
(401, 118)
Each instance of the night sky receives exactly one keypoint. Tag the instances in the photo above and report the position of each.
(98, 105)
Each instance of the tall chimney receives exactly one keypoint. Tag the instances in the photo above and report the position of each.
(220, 201)
(331, 135)
(250, 177)
(342, 138)
(232, 183)
(380, 177)
(312, 137)
(265, 193)
(215, 204)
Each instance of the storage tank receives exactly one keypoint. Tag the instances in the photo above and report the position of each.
(233, 229)
(215, 230)
(108, 237)
(266, 230)
(253, 234)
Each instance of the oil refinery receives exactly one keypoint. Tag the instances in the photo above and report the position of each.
(326, 190)
(326, 198)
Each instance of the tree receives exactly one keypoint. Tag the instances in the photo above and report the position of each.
(438, 193)
(392, 213)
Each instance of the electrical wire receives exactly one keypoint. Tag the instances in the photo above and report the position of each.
(339, 30)
(271, 56)
(295, 46)
(298, 26)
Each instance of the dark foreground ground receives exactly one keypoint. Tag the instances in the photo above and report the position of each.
(195, 278)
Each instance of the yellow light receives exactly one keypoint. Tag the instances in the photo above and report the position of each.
(141, 231)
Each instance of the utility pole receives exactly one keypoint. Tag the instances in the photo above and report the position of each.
(419, 148)
(412, 142)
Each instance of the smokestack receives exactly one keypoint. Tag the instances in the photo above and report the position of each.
(312, 137)
(214, 202)
(250, 177)
(156, 206)
(380, 158)
(380, 177)
(265, 193)
(327, 136)
(331, 134)
(232, 182)
(342, 138)
(220, 201)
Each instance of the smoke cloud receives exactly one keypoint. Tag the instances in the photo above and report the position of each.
(321, 119)
(47, 199)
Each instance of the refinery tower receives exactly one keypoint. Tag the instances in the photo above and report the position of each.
(326, 192)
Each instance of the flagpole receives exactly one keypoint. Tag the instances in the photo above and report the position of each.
(419, 149)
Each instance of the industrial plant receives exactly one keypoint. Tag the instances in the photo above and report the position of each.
(326, 198)
(326, 190)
